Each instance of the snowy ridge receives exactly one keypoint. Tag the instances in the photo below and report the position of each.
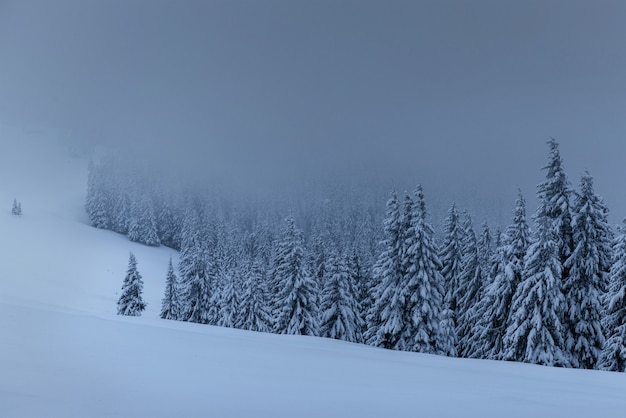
(65, 352)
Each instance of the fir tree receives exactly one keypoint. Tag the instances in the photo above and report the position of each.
(470, 289)
(255, 314)
(142, 223)
(130, 302)
(452, 260)
(170, 306)
(588, 267)
(554, 197)
(230, 303)
(17, 208)
(195, 284)
(613, 355)
(386, 316)
(535, 332)
(485, 250)
(97, 200)
(507, 267)
(363, 289)
(340, 308)
(422, 284)
(296, 301)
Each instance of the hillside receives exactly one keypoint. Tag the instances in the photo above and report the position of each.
(65, 353)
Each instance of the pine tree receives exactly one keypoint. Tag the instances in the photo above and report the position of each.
(339, 305)
(170, 306)
(422, 284)
(119, 214)
(485, 250)
(363, 289)
(535, 332)
(554, 197)
(195, 289)
(452, 261)
(230, 302)
(469, 292)
(17, 208)
(386, 316)
(255, 313)
(142, 224)
(588, 267)
(613, 355)
(130, 302)
(97, 200)
(507, 266)
(296, 301)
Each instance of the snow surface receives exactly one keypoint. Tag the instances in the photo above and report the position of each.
(65, 353)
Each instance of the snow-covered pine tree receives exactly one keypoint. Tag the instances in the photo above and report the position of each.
(452, 260)
(363, 289)
(120, 211)
(535, 332)
(255, 314)
(170, 306)
(195, 286)
(142, 224)
(554, 197)
(588, 266)
(295, 303)
(219, 274)
(339, 306)
(422, 284)
(613, 357)
(230, 300)
(470, 290)
(386, 317)
(97, 200)
(168, 224)
(485, 250)
(130, 302)
(507, 266)
(16, 209)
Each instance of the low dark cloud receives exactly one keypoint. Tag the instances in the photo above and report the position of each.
(458, 95)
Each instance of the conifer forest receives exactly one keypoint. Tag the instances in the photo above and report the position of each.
(549, 288)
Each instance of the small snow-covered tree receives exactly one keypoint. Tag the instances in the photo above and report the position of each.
(17, 208)
(296, 301)
(130, 302)
(170, 306)
(340, 308)
(613, 357)
(588, 265)
(535, 332)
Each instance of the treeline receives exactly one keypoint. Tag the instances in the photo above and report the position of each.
(553, 296)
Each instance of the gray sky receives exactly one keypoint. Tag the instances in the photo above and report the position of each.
(458, 95)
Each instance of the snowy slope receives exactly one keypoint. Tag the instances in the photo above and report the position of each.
(64, 352)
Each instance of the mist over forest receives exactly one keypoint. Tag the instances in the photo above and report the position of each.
(269, 96)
